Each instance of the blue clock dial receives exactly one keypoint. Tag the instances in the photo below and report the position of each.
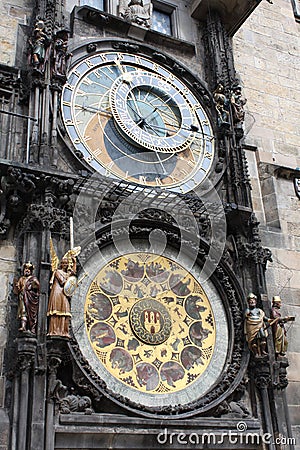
(153, 112)
(133, 119)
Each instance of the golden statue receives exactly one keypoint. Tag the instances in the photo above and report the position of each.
(278, 328)
(255, 327)
(63, 276)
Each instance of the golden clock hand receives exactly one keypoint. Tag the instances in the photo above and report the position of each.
(164, 128)
(127, 77)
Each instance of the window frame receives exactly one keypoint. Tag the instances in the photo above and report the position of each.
(171, 10)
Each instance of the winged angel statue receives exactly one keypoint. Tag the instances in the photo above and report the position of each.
(136, 11)
(62, 284)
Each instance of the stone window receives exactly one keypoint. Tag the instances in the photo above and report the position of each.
(98, 4)
(163, 18)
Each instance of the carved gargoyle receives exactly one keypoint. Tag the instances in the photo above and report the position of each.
(70, 403)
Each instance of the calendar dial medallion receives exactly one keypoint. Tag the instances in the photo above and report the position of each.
(151, 332)
(133, 119)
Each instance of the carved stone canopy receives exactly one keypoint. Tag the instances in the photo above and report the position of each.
(233, 12)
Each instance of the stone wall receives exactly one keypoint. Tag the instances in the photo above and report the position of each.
(13, 13)
(268, 61)
(7, 273)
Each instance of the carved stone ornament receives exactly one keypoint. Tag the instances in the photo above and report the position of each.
(10, 80)
(17, 191)
(90, 48)
(70, 403)
(236, 405)
(54, 218)
(253, 250)
(126, 47)
(26, 352)
(262, 375)
(25, 362)
(283, 379)
(136, 11)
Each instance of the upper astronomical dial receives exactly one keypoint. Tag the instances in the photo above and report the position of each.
(133, 119)
(153, 112)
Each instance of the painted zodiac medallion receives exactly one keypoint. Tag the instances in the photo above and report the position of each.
(150, 321)
(150, 324)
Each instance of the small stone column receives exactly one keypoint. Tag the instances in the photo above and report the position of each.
(26, 354)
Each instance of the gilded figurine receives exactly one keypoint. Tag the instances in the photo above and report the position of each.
(38, 46)
(136, 12)
(59, 311)
(237, 104)
(222, 106)
(28, 290)
(278, 328)
(255, 327)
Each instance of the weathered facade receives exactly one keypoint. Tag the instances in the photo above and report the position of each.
(167, 133)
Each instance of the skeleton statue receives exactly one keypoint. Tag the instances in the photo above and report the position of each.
(60, 53)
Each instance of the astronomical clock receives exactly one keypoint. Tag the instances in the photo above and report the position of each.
(153, 335)
(132, 119)
(122, 139)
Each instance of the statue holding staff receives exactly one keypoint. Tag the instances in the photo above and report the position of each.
(278, 327)
(64, 275)
(28, 290)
